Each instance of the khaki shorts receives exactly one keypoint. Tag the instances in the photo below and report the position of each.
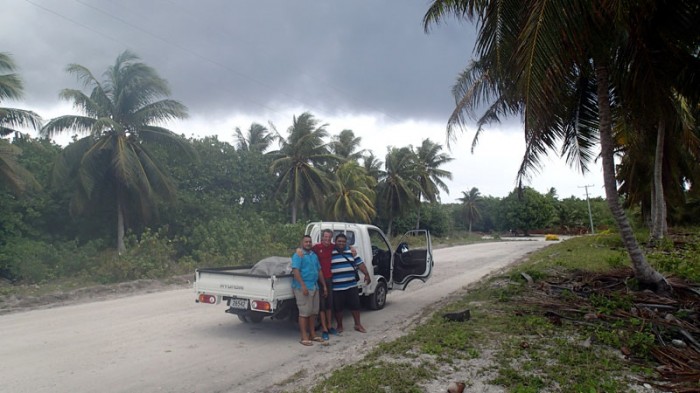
(307, 304)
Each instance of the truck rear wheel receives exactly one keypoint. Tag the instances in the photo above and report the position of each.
(243, 318)
(377, 300)
(255, 317)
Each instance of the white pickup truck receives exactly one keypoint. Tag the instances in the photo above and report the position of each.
(256, 292)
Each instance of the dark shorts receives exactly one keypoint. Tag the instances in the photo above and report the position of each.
(327, 301)
(348, 299)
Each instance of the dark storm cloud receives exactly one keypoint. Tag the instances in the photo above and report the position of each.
(223, 56)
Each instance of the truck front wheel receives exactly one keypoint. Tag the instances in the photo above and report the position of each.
(377, 300)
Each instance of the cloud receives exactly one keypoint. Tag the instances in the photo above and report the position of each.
(364, 65)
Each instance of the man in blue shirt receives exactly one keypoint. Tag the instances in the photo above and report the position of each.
(307, 279)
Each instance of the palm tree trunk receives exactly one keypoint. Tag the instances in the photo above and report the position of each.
(643, 272)
(658, 203)
(121, 247)
(418, 220)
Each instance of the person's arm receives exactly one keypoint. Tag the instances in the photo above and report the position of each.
(363, 268)
(300, 253)
(297, 276)
(296, 273)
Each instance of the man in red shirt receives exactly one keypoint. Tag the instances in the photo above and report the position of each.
(324, 250)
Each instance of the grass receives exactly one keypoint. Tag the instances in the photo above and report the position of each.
(512, 344)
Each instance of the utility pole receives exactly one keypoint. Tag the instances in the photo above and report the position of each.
(590, 215)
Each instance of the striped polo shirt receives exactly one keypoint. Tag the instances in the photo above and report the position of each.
(342, 269)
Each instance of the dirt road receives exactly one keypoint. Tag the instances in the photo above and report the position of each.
(165, 342)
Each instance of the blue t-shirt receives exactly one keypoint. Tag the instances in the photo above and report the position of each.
(342, 268)
(308, 266)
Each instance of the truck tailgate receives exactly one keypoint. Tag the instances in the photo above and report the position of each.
(237, 282)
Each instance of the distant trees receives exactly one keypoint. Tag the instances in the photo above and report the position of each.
(398, 183)
(299, 165)
(11, 88)
(471, 206)
(429, 160)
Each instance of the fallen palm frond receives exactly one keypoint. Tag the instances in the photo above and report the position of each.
(644, 324)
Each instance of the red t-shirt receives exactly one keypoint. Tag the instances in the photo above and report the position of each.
(324, 256)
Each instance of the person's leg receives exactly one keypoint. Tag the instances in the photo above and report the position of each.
(330, 301)
(303, 306)
(358, 323)
(303, 328)
(353, 303)
(339, 321)
(323, 306)
(312, 316)
(338, 305)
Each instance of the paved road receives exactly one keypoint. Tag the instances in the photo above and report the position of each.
(165, 342)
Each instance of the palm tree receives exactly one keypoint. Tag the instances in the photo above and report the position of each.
(471, 203)
(353, 198)
(298, 164)
(258, 138)
(558, 66)
(429, 159)
(345, 145)
(114, 160)
(11, 87)
(397, 184)
(372, 165)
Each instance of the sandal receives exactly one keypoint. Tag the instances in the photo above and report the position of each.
(307, 343)
(317, 339)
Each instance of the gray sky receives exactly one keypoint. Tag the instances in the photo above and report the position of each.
(365, 65)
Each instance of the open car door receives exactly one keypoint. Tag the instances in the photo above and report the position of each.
(413, 258)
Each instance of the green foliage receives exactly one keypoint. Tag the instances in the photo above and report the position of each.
(526, 210)
(151, 255)
(236, 241)
(435, 217)
(34, 261)
(682, 260)
(376, 376)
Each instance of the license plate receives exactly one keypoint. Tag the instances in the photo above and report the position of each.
(239, 303)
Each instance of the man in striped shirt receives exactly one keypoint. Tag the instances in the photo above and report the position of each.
(345, 286)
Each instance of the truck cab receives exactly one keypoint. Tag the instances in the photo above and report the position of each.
(389, 267)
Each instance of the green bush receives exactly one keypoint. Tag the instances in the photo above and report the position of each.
(235, 241)
(150, 256)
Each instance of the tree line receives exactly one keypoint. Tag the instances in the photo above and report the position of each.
(106, 204)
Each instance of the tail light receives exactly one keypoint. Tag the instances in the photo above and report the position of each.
(260, 305)
(204, 298)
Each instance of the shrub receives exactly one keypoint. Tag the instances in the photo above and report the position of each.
(151, 256)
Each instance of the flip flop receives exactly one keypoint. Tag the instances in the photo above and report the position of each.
(318, 339)
(360, 329)
(307, 343)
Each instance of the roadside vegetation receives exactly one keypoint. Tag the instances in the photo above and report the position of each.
(569, 318)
